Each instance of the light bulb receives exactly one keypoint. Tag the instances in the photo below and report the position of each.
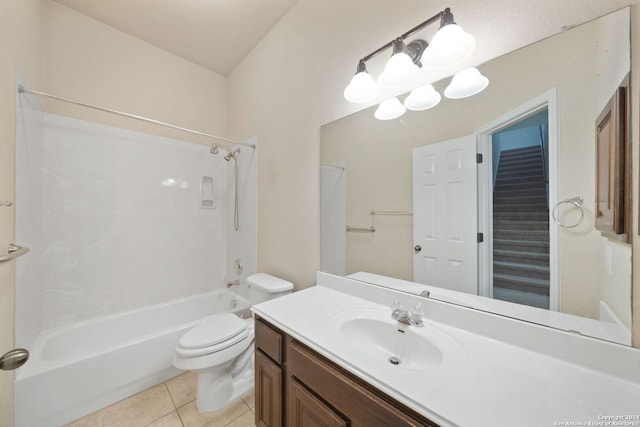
(449, 46)
(422, 98)
(390, 109)
(466, 83)
(399, 71)
(362, 88)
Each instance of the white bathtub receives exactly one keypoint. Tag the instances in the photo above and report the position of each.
(77, 369)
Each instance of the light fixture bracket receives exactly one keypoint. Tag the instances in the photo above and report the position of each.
(415, 49)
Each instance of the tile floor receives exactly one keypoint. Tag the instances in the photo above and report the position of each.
(170, 404)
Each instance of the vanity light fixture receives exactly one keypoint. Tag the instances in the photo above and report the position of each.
(390, 109)
(400, 69)
(362, 87)
(466, 83)
(422, 98)
(450, 45)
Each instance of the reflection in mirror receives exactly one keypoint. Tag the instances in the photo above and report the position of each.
(415, 228)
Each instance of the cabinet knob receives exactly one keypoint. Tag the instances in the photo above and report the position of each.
(417, 248)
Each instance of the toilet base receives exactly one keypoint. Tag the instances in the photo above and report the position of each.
(215, 393)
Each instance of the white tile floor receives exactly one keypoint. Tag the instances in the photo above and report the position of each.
(170, 404)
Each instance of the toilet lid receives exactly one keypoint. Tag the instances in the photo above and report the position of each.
(214, 331)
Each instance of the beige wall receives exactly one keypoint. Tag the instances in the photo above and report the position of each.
(86, 60)
(292, 83)
(20, 47)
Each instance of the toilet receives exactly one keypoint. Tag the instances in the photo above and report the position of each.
(220, 350)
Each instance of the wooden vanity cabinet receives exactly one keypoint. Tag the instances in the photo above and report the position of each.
(315, 392)
(269, 389)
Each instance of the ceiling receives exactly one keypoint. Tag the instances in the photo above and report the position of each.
(216, 34)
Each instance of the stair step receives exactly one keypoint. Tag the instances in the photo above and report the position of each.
(539, 191)
(520, 207)
(537, 179)
(518, 168)
(525, 158)
(520, 225)
(536, 247)
(541, 215)
(523, 270)
(537, 286)
(526, 184)
(525, 198)
(529, 236)
(523, 150)
(505, 255)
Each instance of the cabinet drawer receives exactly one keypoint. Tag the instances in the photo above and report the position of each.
(346, 394)
(269, 341)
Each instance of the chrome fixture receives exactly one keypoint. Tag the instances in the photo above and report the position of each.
(231, 283)
(5, 204)
(22, 89)
(574, 201)
(13, 251)
(425, 293)
(449, 46)
(238, 266)
(13, 359)
(410, 317)
(231, 154)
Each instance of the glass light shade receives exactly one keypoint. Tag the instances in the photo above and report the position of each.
(422, 98)
(466, 83)
(362, 88)
(399, 71)
(449, 46)
(390, 109)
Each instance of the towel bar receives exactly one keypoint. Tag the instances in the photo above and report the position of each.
(14, 251)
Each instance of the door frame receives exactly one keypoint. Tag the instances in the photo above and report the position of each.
(548, 100)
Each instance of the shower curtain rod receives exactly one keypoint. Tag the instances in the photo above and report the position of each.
(22, 89)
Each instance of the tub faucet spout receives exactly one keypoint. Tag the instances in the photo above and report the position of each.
(231, 283)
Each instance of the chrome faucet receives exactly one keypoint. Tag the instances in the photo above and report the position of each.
(410, 317)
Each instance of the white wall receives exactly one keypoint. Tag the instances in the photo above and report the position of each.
(120, 224)
(292, 83)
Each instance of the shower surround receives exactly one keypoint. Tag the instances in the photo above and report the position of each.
(114, 221)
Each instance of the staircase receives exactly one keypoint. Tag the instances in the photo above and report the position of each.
(521, 229)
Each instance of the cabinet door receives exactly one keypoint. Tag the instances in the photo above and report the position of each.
(268, 392)
(306, 410)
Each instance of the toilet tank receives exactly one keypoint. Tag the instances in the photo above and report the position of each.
(263, 287)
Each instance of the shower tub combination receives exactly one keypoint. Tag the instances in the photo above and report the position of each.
(77, 369)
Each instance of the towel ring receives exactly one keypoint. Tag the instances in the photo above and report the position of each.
(575, 201)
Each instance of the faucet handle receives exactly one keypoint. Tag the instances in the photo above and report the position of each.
(415, 315)
(396, 306)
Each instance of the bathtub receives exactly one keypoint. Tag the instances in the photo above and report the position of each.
(77, 369)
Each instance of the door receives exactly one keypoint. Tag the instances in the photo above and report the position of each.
(444, 215)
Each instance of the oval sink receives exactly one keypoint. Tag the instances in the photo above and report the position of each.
(387, 342)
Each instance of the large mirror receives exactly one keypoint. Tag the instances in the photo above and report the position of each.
(513, 234)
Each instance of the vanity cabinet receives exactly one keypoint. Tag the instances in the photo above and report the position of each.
(313, 391)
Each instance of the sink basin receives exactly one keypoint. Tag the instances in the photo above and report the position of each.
(385, 342)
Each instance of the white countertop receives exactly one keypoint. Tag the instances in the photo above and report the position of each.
(482, 381)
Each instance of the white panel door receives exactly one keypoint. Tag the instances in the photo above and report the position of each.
(445, 210)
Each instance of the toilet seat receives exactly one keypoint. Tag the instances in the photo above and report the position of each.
(216, 334)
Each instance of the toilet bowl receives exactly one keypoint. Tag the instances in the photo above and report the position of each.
(220, 350)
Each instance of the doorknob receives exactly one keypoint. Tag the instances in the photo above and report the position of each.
(417, 248)
(13, 359)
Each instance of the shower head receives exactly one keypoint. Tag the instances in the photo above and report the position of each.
(214, 149)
